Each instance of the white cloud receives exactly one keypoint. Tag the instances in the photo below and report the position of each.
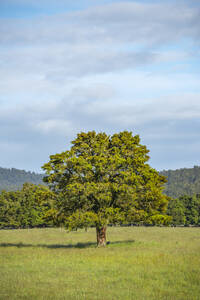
(113, 23)
(53, 126)
(126, 65)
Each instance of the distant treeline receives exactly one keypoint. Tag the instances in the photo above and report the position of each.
(26, 208)
(180, 182)
(31, 204)
(34, 206)
(185, 210)
(13, 179)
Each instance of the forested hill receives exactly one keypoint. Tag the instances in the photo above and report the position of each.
(13, 179)
(182, 182)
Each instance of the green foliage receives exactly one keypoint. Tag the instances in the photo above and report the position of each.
(9, 209)
(28, 207)
(177, 211)
(185, 210)
(160, 220)
(182, 182)
(105, 179)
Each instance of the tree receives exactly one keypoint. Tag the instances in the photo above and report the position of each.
(176, 210)
(9, 209)
(35, 203)
(105, 179)
(29, 207)
(191, 208)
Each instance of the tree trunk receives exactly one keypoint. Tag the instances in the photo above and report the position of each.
(101, 236)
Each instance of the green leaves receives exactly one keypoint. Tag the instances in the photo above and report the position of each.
(185, 210)
(29, 207)
(102, 174)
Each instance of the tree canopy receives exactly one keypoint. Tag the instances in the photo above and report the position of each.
(106, 179)
(185, 210)
(26, 208)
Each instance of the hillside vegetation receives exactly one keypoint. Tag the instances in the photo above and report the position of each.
(13, 179)
(182, 182)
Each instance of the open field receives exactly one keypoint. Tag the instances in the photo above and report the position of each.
(139, 263)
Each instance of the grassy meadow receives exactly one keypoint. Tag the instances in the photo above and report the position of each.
(139, 263)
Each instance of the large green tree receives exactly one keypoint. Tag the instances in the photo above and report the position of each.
(105, 179)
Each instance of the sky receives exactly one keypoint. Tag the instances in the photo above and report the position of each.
(70, 66)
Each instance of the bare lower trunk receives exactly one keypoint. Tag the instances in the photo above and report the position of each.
(101, 236)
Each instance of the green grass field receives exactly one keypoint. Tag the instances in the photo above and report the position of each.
(139, 263)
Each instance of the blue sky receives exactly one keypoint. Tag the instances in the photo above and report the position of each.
(71, 66)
